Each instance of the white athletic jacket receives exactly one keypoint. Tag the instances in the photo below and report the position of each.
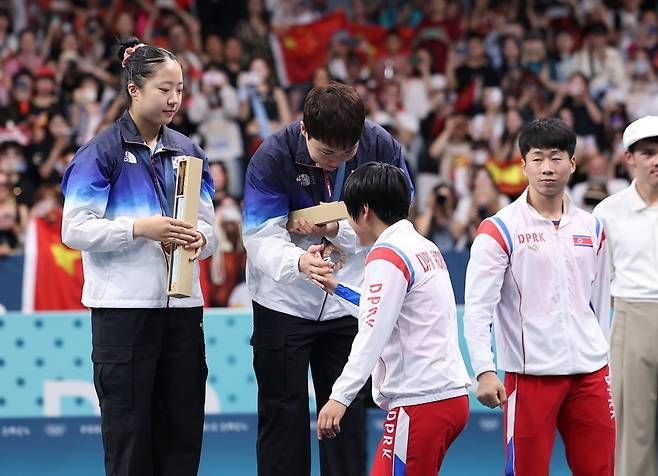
(545, 290)
(407, 325)
(109, 184)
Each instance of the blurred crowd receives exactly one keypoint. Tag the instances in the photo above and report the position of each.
(453, 81)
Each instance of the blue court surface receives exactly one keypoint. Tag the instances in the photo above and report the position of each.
(72, 447)
(49, 422)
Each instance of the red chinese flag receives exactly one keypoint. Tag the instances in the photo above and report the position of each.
(300, 50)
(373, 37)
(52, 273)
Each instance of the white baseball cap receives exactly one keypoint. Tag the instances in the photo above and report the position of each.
(642, 128)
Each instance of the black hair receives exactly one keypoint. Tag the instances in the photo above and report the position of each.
(475, 170)
(474, 35)
(11, 144)
(141, 64)
(383, 187)
(334, 114)
(22, 73)
(5, 13)
(647, 140)
(596, 28)
(535, 35)
(581, 75)
(392, 32)
(271, 80)
(547, 133)
(26, 31)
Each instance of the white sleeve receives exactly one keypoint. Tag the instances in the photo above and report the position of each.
(385, 288)
(272, 252)
(597, 212)
(86, 187)
(206, 215)
(346, 238)
(84, 230)
(205, 227)
(601, 285)
(265, 214)
(484, 279)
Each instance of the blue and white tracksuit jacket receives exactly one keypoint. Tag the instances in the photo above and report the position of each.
(111, 182)
(282, 177)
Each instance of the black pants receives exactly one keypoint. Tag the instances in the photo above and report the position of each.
(150, 374)
(284, 346)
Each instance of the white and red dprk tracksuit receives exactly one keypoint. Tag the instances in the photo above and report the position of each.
(545, 289)
(408, 335)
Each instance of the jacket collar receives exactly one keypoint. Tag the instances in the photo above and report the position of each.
(129, 133)
(301, 151)
(567, 214)
(398, 225)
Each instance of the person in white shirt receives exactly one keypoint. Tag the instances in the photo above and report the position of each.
(631, 219)
(538, 274)
(407, 331)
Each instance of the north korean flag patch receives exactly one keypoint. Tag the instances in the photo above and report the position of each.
(583, 240)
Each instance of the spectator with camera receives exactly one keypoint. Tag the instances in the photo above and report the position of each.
(483, 201)
(21, 171)
(13, 217)
(214, 108)
(452, 150)
(435, 222)
(599, 184)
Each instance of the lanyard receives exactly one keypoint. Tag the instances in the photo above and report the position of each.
(338, 188)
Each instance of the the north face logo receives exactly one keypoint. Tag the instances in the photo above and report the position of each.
(130, 158)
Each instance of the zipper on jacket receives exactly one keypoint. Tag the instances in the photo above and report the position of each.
(156, 185)
(562, 290)
(326, 294)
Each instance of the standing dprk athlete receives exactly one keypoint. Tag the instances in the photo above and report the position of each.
(538, 274)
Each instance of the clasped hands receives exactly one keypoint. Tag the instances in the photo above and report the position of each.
(170, 231)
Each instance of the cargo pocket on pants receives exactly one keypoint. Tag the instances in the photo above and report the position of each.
(113, 375)
(269, 364)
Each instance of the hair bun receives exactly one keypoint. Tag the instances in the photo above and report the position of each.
(125, 44)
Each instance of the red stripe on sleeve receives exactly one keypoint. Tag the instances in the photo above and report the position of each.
(488, 228)
(392, 257)
(601, 241)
